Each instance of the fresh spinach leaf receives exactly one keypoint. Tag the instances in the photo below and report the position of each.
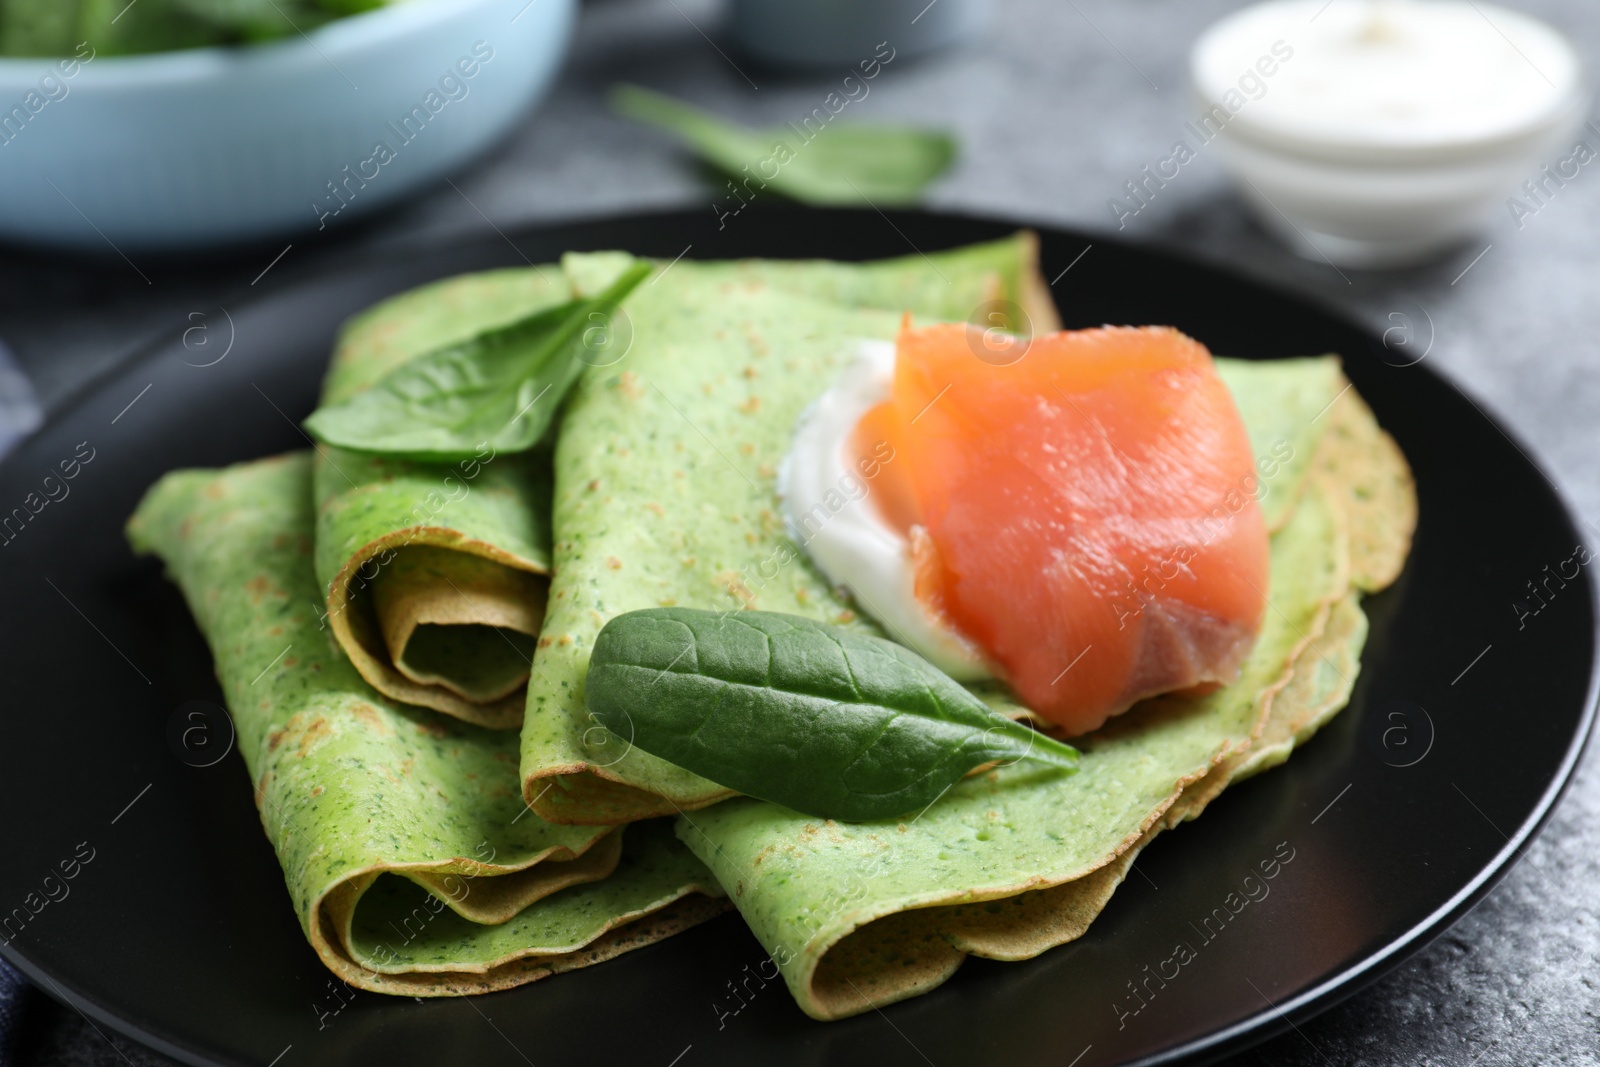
(502, 387)
(56, 27)
(836, 163)
(254, 20)
(827, 721)
(242, 14)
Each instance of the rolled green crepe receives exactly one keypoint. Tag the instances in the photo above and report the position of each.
(435, 573)
(410, 859)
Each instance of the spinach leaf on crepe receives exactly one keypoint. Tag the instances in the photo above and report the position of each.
(406, 549)
(844, 163)
(830, 722)
(501, 388)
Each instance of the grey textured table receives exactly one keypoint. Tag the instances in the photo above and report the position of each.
(1057, 106)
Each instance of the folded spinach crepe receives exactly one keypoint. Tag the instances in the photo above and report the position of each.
(992, 284)
(694, 423)
(1015, 861)
(411, 861)
(665, 496)
(435, 573)
(666, 488)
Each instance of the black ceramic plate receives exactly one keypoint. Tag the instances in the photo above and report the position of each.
(1466, 722)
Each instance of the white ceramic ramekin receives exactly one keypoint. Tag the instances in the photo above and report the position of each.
(207, 146)
(1376, 193)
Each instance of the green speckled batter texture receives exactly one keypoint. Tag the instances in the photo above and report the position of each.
(362, 498)
(667, 467)
(666, 494)
(967, 283)
(805, 885)
(348, 783)
(636, 495)
(1284, 403)
(495, 506)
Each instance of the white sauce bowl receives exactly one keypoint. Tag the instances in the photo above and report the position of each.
(207, 146)
(1396, 129)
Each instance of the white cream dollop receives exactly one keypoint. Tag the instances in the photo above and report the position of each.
(828, 506)
(1388, 75)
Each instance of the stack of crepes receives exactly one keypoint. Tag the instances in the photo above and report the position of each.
(381, 627)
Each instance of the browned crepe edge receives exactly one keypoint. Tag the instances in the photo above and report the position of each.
(919, 948)
(497, 899)
(583, 794)
(333, 912)
(1037, 301)
(625, 934)
(1375, 488)
(1284, 735)
(1044, 919)
(947, 933)
(404, 597)
(357, 633)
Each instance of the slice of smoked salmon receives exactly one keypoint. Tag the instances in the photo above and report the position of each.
(1080, 506)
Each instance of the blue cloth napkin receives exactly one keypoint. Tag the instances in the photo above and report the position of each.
(15, 997)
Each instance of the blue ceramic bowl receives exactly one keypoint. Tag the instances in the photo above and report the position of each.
(213, 145)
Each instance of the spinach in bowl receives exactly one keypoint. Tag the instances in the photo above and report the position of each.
(117, 27)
